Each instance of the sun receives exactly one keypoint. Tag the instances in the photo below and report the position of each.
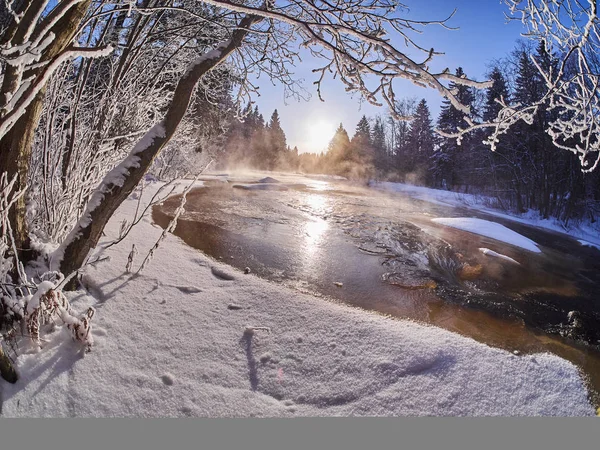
(319, 134)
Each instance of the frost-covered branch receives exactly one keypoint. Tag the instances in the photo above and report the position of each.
(30, 88)
(354, 39)
(120, 182)
(570, 32)
(24, 303)
(170, 227)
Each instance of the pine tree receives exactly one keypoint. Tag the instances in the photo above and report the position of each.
(448, 166)
(361, 149)
(381, 155)
(400, 150)
(498, 90)
(502, 164)
(276, 143)
(531, 146)
(363, 131)
(339, 144)
(337, 151)
(359, 163)
(420, 143)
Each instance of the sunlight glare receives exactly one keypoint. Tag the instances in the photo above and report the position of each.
(319, 134)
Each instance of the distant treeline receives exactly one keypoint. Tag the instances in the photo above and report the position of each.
(525, 172)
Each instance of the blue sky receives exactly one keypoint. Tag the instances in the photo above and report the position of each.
(483, 36)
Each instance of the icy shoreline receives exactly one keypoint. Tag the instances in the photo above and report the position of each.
(172, 342)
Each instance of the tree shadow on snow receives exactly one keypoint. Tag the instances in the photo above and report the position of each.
(246, 342)
(65, 354)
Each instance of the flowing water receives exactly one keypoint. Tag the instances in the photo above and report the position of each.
(382, 252)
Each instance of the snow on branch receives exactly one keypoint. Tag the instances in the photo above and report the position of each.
(354, 38)
(26, 304)
(112, 181)
(570, 33)
(29, 89)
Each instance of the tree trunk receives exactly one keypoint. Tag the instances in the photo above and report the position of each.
(15, 155)
(16, 144)
(7, 371)
(119, 183)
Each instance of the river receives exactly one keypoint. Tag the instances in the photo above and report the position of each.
(381, 251)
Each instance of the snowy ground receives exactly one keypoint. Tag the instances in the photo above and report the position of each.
(173, 341)
(587, 234)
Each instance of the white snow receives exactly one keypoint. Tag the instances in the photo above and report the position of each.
(215, 53)
(261, 187)
(589, 244)
(34, 301)
(584, 230)
(166, 344)
(489, 229)
(492, 253)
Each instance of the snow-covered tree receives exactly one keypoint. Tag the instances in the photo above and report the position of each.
(35, 42)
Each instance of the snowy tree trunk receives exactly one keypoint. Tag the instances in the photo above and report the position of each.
(16, 144)
(15, 155)
(120, 182)
(7, 370)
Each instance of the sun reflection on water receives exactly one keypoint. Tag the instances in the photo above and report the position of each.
(317, 203)
(315, 228)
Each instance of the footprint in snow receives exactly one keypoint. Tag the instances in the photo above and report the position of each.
(221, 274)
(188, 289)
(167, 379)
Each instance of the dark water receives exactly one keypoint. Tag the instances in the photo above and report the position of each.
(382, 252)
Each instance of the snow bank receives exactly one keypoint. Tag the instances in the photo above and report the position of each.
(589, 244)
(492, 253)
(586, 231)
(489, 229)
(169, 344)
(261, 187)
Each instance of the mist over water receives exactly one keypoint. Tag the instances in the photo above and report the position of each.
(381, 252)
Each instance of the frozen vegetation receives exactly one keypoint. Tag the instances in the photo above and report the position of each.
(94, 97)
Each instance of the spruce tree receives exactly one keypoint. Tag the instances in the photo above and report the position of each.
(401, 131)
(359, 163)
(448, 166)
(337, 151)
(381, 156)
(339, 144)
(420, 143)
(531, 146)
(361, 143)
(276, 143)
(498, 90)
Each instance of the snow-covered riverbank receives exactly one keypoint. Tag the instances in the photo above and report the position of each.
(177, 340)
(588, 234)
